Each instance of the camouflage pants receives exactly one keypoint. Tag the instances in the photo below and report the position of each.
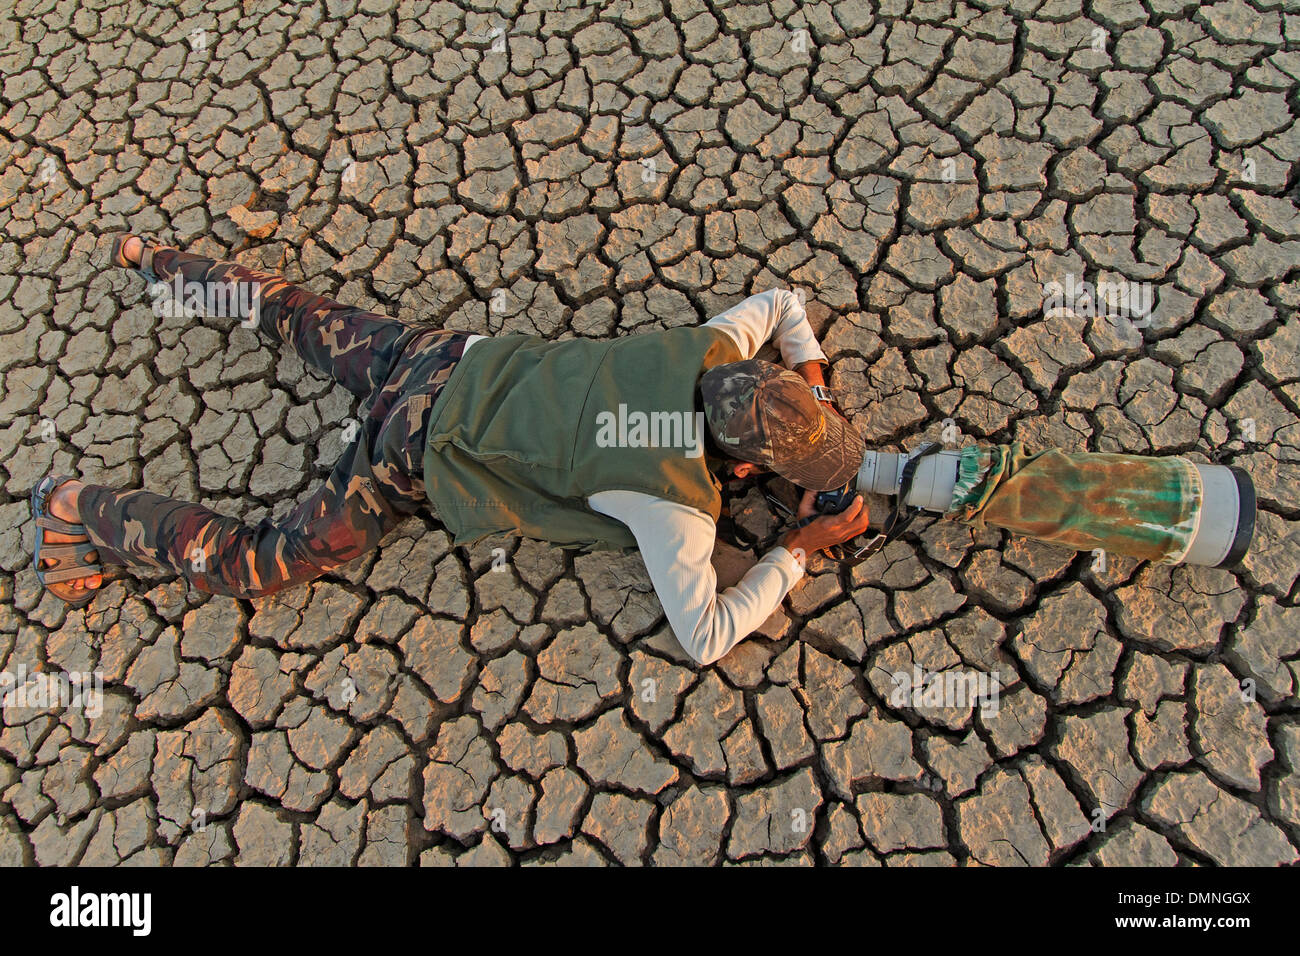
(397, 368)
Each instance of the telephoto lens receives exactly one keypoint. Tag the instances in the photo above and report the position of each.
(1217, 517)
(881, 473)
(1227, 517)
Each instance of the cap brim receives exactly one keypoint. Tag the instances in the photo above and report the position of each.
(831, 463)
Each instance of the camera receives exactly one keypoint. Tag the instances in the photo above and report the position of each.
(834, 501)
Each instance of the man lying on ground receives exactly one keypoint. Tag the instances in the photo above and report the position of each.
(583, 443)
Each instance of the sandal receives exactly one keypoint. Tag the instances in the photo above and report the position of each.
(145, 268)
(69, 557)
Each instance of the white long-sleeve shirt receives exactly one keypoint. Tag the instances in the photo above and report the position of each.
(676, 541)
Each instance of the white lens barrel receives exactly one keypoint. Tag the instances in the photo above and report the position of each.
(936, 476)
(1227, 519)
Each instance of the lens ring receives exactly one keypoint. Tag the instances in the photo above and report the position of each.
(1245, 518)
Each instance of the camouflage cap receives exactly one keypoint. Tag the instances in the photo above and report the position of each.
(765, 414)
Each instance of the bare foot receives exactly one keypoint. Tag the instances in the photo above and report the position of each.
(132, 249)
(63, 505)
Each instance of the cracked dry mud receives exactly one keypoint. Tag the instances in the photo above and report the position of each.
(918, 173)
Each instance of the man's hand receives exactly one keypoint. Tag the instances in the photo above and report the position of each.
(827, 530)
(814, 373)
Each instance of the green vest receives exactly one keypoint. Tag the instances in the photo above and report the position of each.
(525, 429)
